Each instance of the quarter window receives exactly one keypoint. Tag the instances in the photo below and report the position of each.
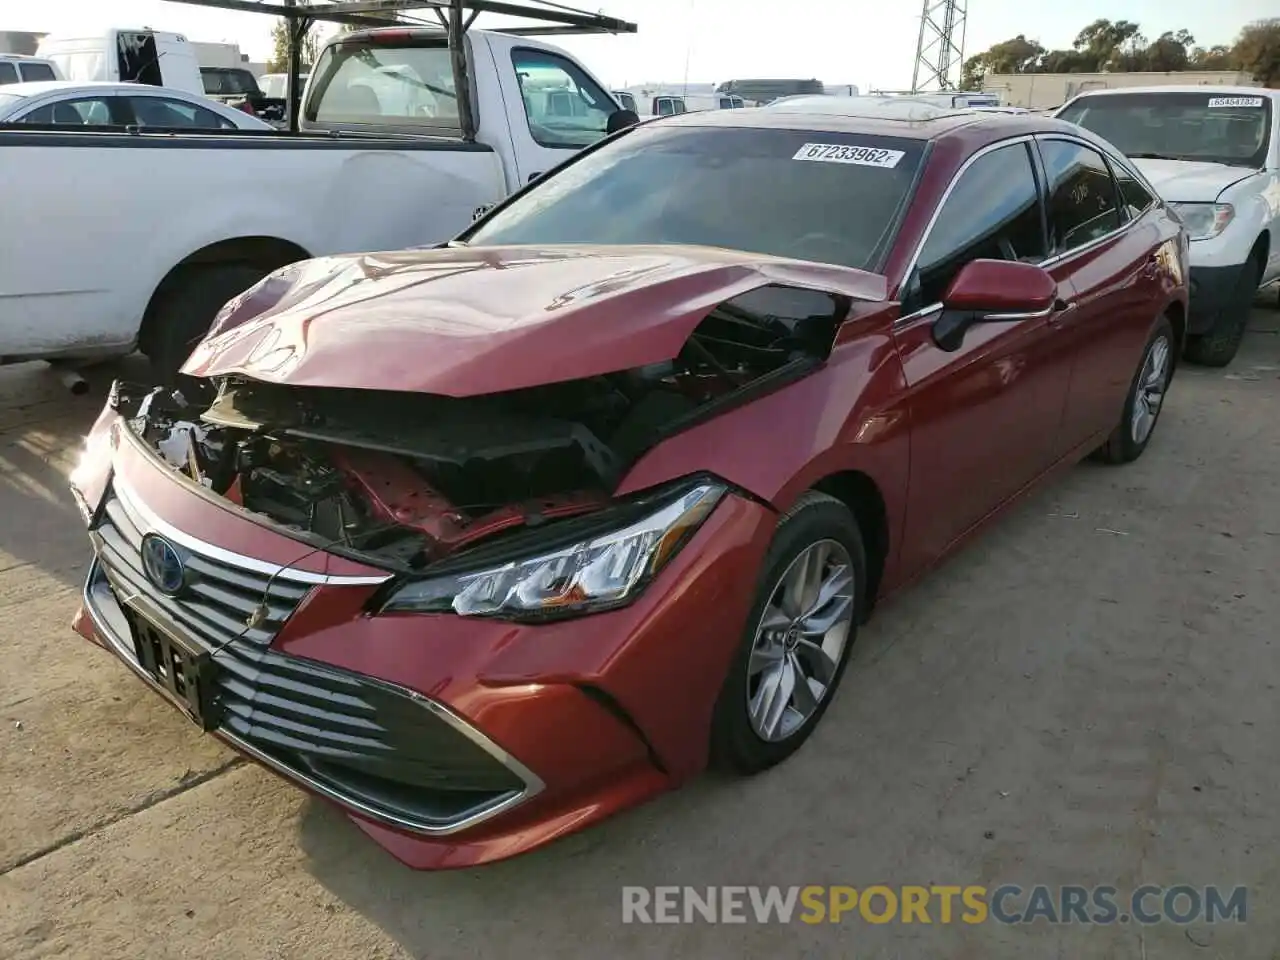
(36, 72)
(992, 213)
(1133, 195)
(1082, 195)
(565, 109)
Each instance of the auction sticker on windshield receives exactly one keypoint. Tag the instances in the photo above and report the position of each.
(1235, 102)
(844, 153)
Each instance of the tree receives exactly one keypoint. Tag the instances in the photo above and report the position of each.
(1258, 51)
(1018, 55)
(279, 61)
(1101, 39)
(1169, 52)
(1215, 58)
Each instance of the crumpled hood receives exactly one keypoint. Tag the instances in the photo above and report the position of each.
(463, 321)
(1191, 181)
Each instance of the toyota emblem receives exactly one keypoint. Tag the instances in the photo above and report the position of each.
(163, 565)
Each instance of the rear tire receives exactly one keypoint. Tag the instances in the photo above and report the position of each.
(184, 311)
(1219, 345)
(1145, 400)
(821, 529)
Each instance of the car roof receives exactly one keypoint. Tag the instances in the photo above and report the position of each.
(870, 115)
(38, 88)
(1207, 89)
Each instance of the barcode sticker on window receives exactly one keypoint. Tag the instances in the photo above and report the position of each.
(844, 153)
(1235, 102)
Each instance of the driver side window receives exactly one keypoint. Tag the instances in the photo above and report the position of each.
(565, 109)
(993, 213)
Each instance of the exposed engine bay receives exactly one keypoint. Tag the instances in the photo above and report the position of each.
(408, 478)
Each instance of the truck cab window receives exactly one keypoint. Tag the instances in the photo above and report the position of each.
(564, 108)
(8, 72)
(993, 213)
(390, 86)
(33, 72)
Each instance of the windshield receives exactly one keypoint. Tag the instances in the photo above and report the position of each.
(274, 84)
(1179, 126)
(228, 82)
(829, 197)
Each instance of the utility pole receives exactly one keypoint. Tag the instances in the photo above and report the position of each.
(940, 49)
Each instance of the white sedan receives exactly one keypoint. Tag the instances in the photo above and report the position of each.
(106, 104)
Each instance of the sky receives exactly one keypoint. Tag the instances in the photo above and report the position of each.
(868, 42)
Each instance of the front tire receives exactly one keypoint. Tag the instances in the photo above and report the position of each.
(185, 310)
(797, 640)
(1219, 345)
(1145, 400)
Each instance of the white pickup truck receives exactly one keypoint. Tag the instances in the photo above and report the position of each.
(1214, 154)
(124, 238)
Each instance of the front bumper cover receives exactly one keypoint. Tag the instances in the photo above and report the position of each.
(546, 728)
(1212, 290)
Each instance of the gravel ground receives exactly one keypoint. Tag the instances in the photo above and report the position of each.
(1086, 695)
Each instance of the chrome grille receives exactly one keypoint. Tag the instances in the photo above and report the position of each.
(219, 598)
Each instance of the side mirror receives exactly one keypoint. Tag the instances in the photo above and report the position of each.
(620, 120)
(992, 291)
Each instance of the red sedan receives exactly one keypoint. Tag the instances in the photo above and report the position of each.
(487, 542)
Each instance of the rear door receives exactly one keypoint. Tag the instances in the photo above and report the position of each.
(983, 417)
(1106, 246)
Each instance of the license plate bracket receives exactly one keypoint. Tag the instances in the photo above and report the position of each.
(185, 671)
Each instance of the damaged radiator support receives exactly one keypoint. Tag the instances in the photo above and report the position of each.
(412, 478)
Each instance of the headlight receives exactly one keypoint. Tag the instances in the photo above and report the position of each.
(1204, 221)
(597, 573)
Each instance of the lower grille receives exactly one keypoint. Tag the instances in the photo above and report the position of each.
(379, 748)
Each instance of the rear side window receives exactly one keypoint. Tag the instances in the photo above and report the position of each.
(31, 72)
(1082, 195)
(993, 213)
(8, 73)
(176, 114)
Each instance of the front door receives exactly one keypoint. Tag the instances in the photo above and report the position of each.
(984, 418)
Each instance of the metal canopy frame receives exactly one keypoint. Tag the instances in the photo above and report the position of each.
(455, 17)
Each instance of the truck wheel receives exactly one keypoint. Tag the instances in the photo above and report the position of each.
(185, 310)
(797, 639)
(1218, 347)
(1145, 400)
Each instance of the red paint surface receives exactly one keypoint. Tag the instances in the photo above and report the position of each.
(948, 439)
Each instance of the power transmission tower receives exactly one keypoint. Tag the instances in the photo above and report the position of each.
(940, 50)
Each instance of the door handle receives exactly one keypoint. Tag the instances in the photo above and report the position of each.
(534, 176)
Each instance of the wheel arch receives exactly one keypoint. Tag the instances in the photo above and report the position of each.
(862, 495)
(268, 253)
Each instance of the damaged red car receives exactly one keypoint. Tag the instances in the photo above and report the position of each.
(485, 543)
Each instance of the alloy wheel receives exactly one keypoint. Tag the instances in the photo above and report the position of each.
(1152, 383)
(800, 640)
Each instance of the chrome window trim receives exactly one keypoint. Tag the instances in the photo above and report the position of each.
(533, 783)
(281, 572)
(946, 195)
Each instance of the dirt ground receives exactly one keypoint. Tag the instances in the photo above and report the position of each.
(1087, 695)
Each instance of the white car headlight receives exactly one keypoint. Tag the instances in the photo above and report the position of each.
(1204, 221)
(596, 573)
